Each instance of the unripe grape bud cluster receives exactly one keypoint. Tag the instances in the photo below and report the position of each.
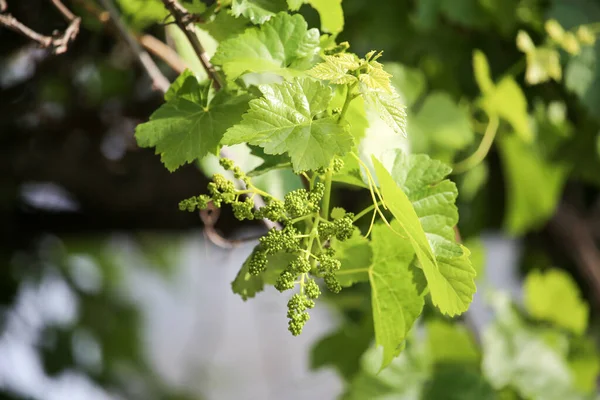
(308, 243)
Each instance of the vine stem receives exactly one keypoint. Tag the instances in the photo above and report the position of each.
(186, 23)
(159, 81)
(365, 211)
(484, 147)
(327, 194)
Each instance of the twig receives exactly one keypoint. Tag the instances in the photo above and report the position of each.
(185, 21)
(574, 232)
(149, 42)
(58, 43)
(159, 81)
(69, 16)
(161, 50)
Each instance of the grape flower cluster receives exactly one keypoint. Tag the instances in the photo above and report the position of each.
(304, 237)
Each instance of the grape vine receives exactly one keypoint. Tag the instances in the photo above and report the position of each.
(293, 95)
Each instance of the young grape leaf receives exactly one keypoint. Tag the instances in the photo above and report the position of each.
(451, 343)
(534, 184)
(376, 78)
(335, 69)
(389, 109)
(554, 296)
(283, 46)
(331, 14)
(506, 99)
(410, 83)
(248, 285)
(394, 297)
(428, 218)
(443, 123)
(257, 11)
(283, 121)
(190, 125)
(356, 257)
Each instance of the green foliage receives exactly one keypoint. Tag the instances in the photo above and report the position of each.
(534, 185)
(428, 225)
(283, 121)
(395, 299)
(284, 46)
(306, 105)
(178, 128)
(554, 297)
(257, 11)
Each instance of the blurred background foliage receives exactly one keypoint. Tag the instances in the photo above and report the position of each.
(82, 207)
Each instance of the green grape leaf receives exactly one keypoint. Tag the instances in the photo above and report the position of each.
(257, 11)
(423, 204)
(518, 356)
(584, 363)
(389, 109)
(450, 343)
(409, 82)
(343, 348)
(247, 285)
(190, 125)
(534, 185)
(283, 121)
(335, 69)
(582, 72)
(376, 78)
(186, 86)
(294, 5)
(331, 14)
(483, 76)
(404, 379)
(224, 26)
(356, 257)
(270, 162)
(506, 99)
(283, 46)
(444, 123)
(554, 297)
(457, 382)
(140, 14)
(395, 300)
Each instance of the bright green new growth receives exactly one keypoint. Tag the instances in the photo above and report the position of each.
(554, 297)
(309, 113)
(293, 118)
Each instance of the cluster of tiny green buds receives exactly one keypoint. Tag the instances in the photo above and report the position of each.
(312, 289)
(341, 228)
(285, 281)
(243, 209)
(276, 241)
(273, 210)
(338, 165)
(229, 165)
(257, 262)
(344, 227)
(300, 202)
(193, 203)
(221, 190)
(332, 283)
(297, 306)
